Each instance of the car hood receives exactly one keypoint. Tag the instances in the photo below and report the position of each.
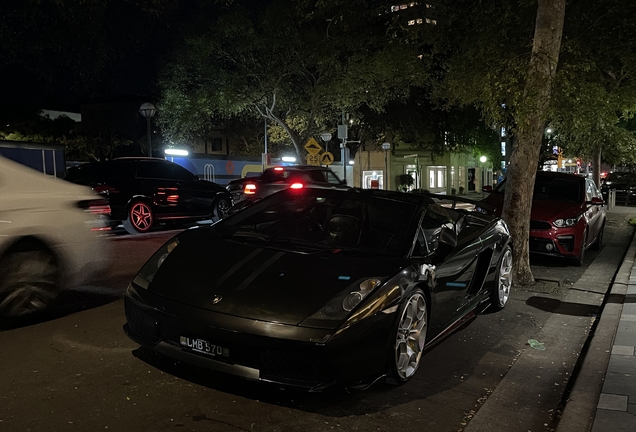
(260, 283)
(542, 210)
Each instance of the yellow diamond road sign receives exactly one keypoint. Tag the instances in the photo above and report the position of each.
(326, 158)
(312, 147)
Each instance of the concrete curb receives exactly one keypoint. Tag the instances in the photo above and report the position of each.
(580, 408)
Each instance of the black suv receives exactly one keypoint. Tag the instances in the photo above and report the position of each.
(143, 192)
(279, 178)
(624, 186)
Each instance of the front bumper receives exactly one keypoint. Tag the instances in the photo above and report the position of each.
(559, 242)
(295, 356)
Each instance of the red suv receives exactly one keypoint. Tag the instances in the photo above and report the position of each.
(568, 214)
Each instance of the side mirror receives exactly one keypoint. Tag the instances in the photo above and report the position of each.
(448, 237)
(487, 189)
(446, 242)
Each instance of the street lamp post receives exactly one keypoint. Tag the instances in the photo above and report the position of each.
(483, 160)
(148, 110)
(326, 137)
(386, 147)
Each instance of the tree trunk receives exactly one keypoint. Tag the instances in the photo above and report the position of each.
(530, 121)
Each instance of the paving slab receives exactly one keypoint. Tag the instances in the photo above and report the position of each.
(620, 384)
(626, 334)
(623, 350)
(622, 364)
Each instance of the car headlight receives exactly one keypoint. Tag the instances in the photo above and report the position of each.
(479, 210)
(149, 270)
(567, 222)
(339, 307)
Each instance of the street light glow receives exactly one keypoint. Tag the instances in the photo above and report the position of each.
(483, 159)
(176, 152)
(288, 159)
(325, 136)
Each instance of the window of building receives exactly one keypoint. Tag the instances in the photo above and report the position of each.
(216, 145)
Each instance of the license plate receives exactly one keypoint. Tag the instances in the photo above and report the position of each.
(204, 347)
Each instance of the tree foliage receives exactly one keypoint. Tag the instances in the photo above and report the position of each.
(595, 95)
(297, 64)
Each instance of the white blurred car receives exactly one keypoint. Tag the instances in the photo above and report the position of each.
(50, 238)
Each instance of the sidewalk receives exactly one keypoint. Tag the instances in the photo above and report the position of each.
(603, 397)
(533, 391)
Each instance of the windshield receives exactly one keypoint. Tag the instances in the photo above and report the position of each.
(553, 189)
(324, 220)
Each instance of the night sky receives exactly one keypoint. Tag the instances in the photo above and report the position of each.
(60, 55)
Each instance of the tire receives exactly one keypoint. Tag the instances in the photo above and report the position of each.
(221, 209)
(503, 281)
(140, 218)
(29, 283)
(410, 338)
(599, 239)
(578, 261)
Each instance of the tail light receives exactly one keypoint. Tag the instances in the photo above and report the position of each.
(297, 186)
(279, 169)
(99, 209)
(250, 189)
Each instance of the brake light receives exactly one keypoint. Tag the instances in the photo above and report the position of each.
(250, 189)
(95, 207)
(279, 169)
(297, 186)
(100, 209)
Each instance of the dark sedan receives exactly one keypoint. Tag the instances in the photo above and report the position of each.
(143, 192)
(314, 287)
(277, 178)
(624, 186)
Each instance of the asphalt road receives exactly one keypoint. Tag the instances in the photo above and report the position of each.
(77, 371)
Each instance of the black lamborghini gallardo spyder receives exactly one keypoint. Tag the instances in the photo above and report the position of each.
(313, 287)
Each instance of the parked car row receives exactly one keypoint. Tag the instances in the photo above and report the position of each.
(397, 271)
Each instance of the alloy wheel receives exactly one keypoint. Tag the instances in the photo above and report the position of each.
(411, 336)
(505, 277)
(222, 208)
(141, 216)
(30, 282)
